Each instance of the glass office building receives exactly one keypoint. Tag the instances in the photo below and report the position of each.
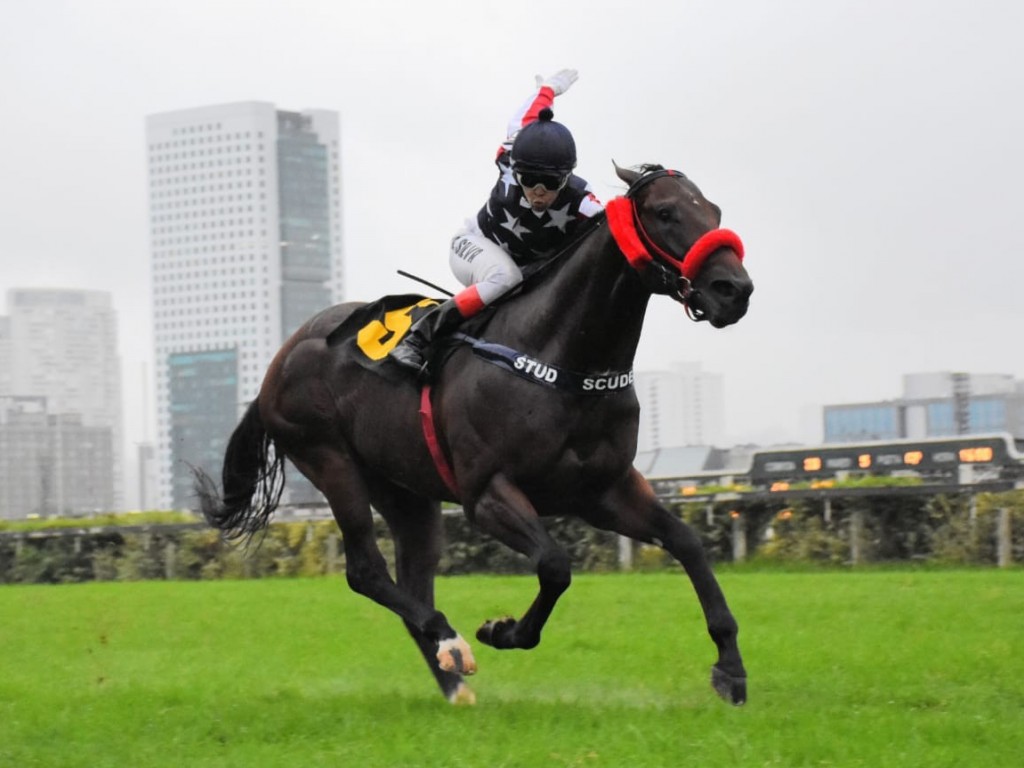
(245, 241)
(933, 405)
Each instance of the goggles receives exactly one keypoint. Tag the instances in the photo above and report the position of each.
(550, 181)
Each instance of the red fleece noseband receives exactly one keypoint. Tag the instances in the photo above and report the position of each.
(621, 215)
(707, 244)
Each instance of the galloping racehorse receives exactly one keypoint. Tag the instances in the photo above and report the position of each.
(532, 416)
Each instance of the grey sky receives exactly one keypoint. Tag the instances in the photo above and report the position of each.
(869, 153)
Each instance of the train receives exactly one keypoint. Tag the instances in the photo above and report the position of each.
(994, 456)
(960, 459)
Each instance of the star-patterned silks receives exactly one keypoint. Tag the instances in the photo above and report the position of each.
(512, 224)
(508, 219)
(560, 217)
(507, 178)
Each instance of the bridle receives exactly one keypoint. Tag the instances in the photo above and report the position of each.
(662, 272)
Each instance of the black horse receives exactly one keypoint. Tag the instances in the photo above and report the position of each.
(559, 438)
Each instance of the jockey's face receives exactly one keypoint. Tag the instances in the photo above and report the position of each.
(539, 197)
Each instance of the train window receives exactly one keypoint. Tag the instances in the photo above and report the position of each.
(779, 466)
(975, 455)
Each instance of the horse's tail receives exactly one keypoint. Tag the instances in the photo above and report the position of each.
(253, 479)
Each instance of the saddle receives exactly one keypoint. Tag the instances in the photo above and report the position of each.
(372, 331)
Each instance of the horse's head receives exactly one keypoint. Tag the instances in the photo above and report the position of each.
(669, 232)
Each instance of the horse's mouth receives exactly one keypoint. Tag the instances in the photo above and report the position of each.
(718, 314)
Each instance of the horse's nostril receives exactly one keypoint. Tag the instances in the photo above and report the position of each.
(725, 288)
(729, 290)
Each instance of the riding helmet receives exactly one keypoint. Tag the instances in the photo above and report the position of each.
(544, 145)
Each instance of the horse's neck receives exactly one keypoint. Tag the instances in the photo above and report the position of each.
(587, 314)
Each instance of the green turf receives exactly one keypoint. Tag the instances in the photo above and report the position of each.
(910, 668)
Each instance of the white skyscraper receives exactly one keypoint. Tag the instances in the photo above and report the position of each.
(683, 406)
(61, 345)
(245, 240)
(6, 356)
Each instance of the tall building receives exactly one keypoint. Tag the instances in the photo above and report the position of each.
(6, 356)
(679, 407)
(61, 345)
(245, 241)
(933, 405)
(52, 465)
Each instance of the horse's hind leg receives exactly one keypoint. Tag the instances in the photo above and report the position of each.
(337, 476)
(504, 512)
(416, 526)
(632, 510)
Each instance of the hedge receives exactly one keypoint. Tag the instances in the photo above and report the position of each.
(940, 529)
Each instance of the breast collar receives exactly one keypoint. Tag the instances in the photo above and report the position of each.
(547, 374)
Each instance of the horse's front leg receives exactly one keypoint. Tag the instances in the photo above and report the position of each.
(632, 509)
(504, 512)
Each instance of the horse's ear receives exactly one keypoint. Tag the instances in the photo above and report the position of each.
(626, 174)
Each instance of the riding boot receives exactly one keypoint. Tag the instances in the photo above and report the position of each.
(411, 351)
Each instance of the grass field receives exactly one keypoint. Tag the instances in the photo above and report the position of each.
(902, 668)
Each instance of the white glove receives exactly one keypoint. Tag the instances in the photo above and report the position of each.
(558, 82)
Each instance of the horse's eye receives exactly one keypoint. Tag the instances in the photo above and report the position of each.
(664, 214)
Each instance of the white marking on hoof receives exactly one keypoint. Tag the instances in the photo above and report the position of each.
(454, 655)
(462, 696)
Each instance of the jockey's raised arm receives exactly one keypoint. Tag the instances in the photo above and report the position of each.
(532, 210)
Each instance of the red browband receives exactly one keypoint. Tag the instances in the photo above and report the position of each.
(627, 230)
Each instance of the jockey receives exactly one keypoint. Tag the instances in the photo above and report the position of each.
(536, 204)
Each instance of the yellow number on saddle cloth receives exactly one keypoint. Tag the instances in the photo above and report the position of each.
(378, 337)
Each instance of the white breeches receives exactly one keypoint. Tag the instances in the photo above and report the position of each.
(475, 260)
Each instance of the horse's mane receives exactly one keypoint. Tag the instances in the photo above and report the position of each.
(647, 168)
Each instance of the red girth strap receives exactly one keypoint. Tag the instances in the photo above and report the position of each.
(430, 435)
(623, 221)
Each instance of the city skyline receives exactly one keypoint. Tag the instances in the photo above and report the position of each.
(683, 389)
(867, 154)
(61, 434)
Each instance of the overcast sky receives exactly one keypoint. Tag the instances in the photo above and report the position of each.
(869, 153)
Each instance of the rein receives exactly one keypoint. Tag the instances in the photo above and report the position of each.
(667, 274)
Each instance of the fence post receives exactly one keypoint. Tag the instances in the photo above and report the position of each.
(170, 560)
(856, 534)
(739, 537)
(332, 553)
(625, 553)
(1004, 547)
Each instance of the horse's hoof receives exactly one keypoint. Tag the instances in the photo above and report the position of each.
(732, 689)
(462, 696)
(455, 655)
(496, 632)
